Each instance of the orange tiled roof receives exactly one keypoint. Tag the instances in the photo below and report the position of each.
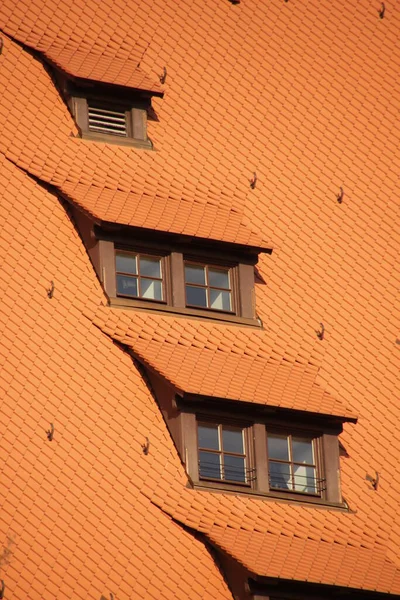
(80, 484)
(305, 95)
(224, 375)
(168, 204)
(308, 560)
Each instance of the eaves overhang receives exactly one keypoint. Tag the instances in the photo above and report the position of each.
(173, 220)
(248, 382)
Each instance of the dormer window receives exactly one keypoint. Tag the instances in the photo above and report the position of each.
(285, 457)
(172, 276)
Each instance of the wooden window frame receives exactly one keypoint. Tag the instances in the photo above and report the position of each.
(248, 454)
(326, 448)
(135, 114)
(318, 464)
(175, 298)
(233, 281)
(164, 278)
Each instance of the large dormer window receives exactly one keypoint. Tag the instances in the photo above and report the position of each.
(172, 274)
(286, 457)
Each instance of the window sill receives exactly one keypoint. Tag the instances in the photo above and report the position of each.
(223, 488)
(182, 312)
(116, 139)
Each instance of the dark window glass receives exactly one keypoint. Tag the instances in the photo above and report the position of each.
(195, 274)
(196, 296)
(208, 436)
(210, 465)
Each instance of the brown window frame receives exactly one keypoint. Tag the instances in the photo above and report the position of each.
(135, 119)
(242, 280)
(139, 277)
(232, 273)
(317, 465)
(326, 456)
(247, 455)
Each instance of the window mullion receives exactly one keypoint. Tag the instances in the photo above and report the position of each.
(291, 463)
(138, 275)
(207, 287)
(221, 453)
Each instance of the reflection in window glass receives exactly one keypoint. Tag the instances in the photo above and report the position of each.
(302, 451)
(139, 276)
(220, 300)
(208, 287)
(291, 464)
(304, 479)
(234, 468)
(218, 278)
(127, 286)
(232, 439)
(151, 289)
(280, 475)
(209, 465)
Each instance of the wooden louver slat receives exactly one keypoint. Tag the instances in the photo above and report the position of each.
(107, 121)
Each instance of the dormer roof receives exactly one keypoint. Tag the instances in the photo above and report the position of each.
(165, 210)
(90, 67)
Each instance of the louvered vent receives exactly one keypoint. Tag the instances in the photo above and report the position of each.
(108, 121)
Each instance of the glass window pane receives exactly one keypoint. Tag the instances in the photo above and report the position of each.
(151, 289)
(234, 468)
(126, 263)
(151, 267)
(279, 474)
(195, 274)
(209, 465)
(220, 300)
(219, 278)
(278, 447)
(232, 440)
(208, 436)
(304, 479)
(196, 296)
(127, 285)
(302, 451)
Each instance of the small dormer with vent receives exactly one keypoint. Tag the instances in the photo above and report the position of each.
(106, 116)
(109, 98)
